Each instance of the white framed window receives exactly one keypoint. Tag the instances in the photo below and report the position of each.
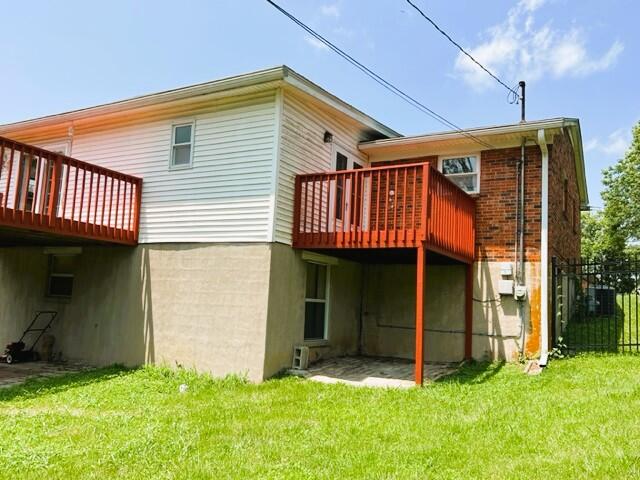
(316, 302)
(61, 274)
(463, 170)
(182, 145)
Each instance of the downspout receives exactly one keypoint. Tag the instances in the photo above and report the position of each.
(544, 252)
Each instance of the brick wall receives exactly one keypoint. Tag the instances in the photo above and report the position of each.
(564, 208)
(496, 204)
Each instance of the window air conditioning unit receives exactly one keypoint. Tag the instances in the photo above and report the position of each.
(300, 357)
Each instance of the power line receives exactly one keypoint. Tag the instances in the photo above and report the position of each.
(370, 73)
(511, 90)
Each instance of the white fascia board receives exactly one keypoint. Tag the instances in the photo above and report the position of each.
(520, 128)
(301, 83)
(489, 134)
(576, 141)
(225, 84)
(269, 78)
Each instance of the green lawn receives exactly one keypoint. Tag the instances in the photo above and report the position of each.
(579, 419)
(618, 332)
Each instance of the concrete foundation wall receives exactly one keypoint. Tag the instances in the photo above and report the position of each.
(285, 326)
(389, 312)
(240, 308)
(499, 329)
(502, 326)
(202, 306)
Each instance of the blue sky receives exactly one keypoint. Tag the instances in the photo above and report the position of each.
(579, 58)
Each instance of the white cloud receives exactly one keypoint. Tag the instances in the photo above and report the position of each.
(531, 5)
(614, 145)
(516, 49)
(331, 10)
(315, 43)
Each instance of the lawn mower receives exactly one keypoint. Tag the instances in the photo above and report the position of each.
(16, 352)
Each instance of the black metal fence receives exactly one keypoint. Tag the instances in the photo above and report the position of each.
(596, 305)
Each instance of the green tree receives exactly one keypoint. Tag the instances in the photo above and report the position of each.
(600, 238)
(621, 192)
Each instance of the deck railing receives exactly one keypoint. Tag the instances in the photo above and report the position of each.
(48, 192)
(383, 207)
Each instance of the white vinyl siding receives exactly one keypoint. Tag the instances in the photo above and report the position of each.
(224, 197)
(302, 150)
(246, 152)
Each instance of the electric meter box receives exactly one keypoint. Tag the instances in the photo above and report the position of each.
(505, 287)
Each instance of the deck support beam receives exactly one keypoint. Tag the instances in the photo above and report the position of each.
(468, 312)
(420, 282)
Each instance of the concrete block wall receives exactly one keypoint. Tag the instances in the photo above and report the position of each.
(389, 312)
(285, 326)
(195, 305)
(502, 327)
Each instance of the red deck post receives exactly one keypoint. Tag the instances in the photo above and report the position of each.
(54, 189)
(420, 271)
(468, 312)
(138, 208)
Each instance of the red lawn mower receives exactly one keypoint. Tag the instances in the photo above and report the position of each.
(15, 352)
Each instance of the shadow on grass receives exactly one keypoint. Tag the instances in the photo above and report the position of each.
(37, 387)
(473, 373)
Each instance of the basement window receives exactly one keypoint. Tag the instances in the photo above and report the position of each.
(60, 279)
(182, 145)
(316, 302)
(463, 170)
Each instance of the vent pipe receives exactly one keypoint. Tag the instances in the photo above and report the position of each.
(522, 85)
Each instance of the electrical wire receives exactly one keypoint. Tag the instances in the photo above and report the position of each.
(446, 35)
(513, 96)
(377, 78)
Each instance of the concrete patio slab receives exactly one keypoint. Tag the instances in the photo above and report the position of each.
(18, 373)
(374, 372)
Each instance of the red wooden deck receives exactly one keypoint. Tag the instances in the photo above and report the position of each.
(398, 206)
(403, 206)
(49, 193)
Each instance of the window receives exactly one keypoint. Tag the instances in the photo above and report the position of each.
(464, 171)
(315, 303)
(182, 145)
(60, 282)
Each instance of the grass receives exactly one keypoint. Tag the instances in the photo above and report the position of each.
(618, 332)
(579, 419)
